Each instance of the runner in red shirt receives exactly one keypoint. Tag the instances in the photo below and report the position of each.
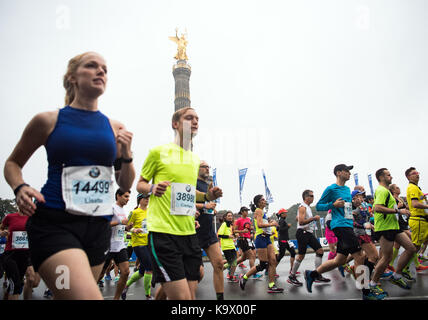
(243, 227)
(16, 259)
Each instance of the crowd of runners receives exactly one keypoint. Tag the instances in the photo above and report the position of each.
(75, 230)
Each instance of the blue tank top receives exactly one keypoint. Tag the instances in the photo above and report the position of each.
(80, 138)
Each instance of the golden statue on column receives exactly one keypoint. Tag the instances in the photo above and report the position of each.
(181, 43)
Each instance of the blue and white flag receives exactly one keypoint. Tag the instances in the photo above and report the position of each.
(371, 183)
(215, 182)
(242, 173)
(356, 178)
(322, 222)
(269, 198)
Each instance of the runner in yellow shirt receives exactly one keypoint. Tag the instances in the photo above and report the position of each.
(226, 235)
(139, 234)
(418, 207)
(169, 175)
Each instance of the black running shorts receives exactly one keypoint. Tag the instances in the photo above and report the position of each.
(305, 239)
(175, 257)
(347, 241)
(51, 231)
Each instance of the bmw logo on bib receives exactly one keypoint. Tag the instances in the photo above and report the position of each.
(94, 172)
(188, 188)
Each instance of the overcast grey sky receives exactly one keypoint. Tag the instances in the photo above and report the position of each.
(291, 87)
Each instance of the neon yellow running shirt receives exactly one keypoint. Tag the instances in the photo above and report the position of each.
(180, 167)
(139, 220)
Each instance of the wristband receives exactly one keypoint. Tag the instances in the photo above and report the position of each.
(19, 188)
(151, 189)
(205, 198)
(117, 164)
(126, 160)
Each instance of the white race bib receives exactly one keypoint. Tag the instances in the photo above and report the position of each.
(88, 190)
(144, 227)
(396, 208)
(183, 197)
(19, 240)
(119, 233)
(348, 210)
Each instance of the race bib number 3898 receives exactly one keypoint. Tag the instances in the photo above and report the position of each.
(87, 190)
(183, 198)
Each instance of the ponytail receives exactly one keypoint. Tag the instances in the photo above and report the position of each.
(253, 207)
(70, 90)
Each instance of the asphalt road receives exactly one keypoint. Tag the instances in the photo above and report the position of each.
(338, 289)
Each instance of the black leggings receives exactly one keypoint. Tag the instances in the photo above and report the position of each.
(282, 247)
(15, 264)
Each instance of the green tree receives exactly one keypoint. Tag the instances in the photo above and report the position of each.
(7, 206)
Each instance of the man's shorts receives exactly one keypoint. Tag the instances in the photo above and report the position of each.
(387, 234)
(175, 257)
(206, 234)
(230, 256)
(117, 257)
(419, 227)
(51, 231)
(305, 239)
(245, 244)
(347, 241)
(262, 241)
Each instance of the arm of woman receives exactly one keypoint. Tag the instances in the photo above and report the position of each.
(258, 215)
(126, 174)
(35, 135)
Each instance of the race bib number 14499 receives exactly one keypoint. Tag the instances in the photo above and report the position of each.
(87, 190)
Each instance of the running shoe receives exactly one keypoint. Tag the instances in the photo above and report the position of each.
(386, 274)
(242, 282)
(107, 277)
(309, 280)
(406, 274)
(116, 279)
(232, 278)
(101, 284)
(149, 297)
(378, 290)
(242, 265)
(293, 280)
(400, 282)
(275, 289)
(256, 276)
(341, 270)
(421, 268)
(321, 279)
(124, 292)
(373, 296)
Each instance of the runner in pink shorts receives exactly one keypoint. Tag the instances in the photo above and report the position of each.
(330, 237)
